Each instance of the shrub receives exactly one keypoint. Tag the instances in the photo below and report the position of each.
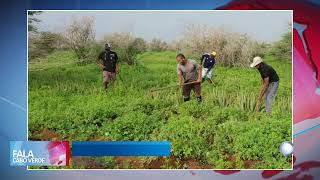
(44, 43)
(132, 127)
(189, 137)
(126, 45)
(282, 48)
(80, 35)
(233, 49)
(252, 141)
(158, 45)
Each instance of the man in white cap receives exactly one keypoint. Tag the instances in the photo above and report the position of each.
(270, 83)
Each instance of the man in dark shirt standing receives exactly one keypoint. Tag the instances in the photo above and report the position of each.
(270, 83)
(108, 61)
(208, 61)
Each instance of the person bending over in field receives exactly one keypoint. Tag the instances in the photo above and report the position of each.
(108, 62)
(207, 62)
(270, 83)
(189, 71)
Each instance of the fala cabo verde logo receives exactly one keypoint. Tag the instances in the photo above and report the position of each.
(39, 153)
(21, 156)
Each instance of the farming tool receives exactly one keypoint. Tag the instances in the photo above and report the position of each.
(118, 75)
(172, 86)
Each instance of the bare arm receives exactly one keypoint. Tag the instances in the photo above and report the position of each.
(199, 73)
(180, 79)
(117, 63)
(264, 87)
(117, 67)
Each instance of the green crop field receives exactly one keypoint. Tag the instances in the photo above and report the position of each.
(67, 101)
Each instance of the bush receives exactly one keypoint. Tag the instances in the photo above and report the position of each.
(132, 127)
(137, 46)
(94, 49)
(80, 36)
(252, 141)
(189, 137)
(44, 43)
(233, 49)
(281, 50)
(158, 45)
(126, 45)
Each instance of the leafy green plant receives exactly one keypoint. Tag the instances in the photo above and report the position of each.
(133, 126)
(189, 137)
(223, 131)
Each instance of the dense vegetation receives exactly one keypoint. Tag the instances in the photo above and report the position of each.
(282, 49)
(68, 101)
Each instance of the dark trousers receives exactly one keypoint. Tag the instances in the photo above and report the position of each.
(186, 90)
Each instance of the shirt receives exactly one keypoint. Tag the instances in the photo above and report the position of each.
(188, 71)
(207, 61)
(109, 59)
(267, 71)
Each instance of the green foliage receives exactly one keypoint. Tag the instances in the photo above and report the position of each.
(158, 45)
(93, 51)
(126, 45)
(282, 50)
(107, 162)
(189, 137)
(43, 43)
(233, 49)
(135, 47)
(132, 127)
(223, 131)
(80, 36)
(256, 140)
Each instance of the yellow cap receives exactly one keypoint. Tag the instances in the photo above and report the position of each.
(214, 53)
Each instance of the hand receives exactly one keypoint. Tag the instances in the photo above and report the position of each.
(102, 66)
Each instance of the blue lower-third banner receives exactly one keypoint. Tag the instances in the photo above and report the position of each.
(121, 148)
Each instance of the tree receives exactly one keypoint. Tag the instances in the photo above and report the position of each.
(137, 46)
(126, 45)
(158, 45)
(233, 49)
(32, 20)
(80, 36)
(49, 41)
(44, 43)
(282, 49)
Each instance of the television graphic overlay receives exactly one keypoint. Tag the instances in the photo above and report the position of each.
(39, 153)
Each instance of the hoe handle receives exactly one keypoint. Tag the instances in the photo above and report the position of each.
(152, 90)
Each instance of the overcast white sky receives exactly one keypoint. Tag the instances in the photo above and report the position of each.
(265, 26)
